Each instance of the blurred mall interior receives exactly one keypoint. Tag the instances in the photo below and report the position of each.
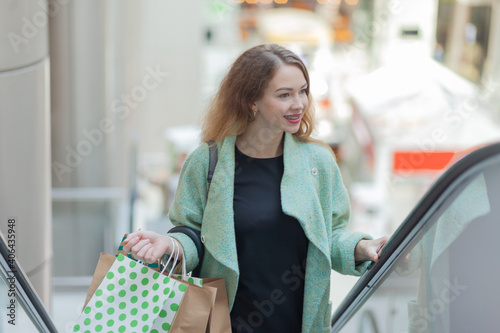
(101, 101)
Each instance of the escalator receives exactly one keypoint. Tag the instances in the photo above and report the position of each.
(439, 272)
(22, 310)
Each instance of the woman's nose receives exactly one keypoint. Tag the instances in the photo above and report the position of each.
(298, 103)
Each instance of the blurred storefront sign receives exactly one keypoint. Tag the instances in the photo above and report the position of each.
(294, 26)
(419, 114)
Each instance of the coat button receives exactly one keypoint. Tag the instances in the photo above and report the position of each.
(203, 239)
(314, 171)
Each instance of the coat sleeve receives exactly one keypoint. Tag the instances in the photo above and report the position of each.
(343, 242)
(189, 201)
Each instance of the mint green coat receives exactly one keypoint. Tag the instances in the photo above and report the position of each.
(311, 191)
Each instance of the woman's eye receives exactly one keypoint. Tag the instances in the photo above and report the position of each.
(303, 91)
(284, 95)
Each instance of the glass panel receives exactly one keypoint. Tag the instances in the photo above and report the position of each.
(447, 281)
(20, 307)
(14, 318)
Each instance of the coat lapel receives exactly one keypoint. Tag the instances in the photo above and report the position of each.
(299, 197)
(218, 219)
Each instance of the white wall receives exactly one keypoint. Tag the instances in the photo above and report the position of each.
(172, 38)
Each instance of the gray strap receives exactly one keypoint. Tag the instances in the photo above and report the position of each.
(212, 162)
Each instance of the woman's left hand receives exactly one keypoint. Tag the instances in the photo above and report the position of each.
(369, 249)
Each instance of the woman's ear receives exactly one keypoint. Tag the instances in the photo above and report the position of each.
(254, 109)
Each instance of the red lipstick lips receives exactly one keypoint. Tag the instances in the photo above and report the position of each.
(293, 118)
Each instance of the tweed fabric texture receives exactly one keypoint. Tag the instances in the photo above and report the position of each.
(312, 191)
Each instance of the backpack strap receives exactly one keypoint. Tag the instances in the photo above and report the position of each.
(194, 235)
(212, 161)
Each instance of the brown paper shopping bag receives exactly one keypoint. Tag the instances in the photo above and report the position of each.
(194, 312)
(219, 321)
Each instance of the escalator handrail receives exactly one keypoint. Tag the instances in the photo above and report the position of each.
(25, 293)
(425, 207)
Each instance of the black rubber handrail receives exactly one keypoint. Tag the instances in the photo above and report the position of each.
(425, 207)
(25, 293)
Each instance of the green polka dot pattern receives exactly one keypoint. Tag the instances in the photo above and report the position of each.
(132, 296)
(196, 281)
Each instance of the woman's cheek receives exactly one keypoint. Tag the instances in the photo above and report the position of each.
(306, 102)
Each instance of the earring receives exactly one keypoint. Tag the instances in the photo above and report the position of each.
(254, 109)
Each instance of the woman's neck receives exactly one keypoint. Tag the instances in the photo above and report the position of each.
(265, 145)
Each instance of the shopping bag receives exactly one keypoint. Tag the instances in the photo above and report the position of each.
(219, 320)
(131, 298)
(204, 307)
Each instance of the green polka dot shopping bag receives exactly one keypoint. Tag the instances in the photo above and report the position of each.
(204, 306)
(130, 297)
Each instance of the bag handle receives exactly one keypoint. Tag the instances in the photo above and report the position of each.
(176, 248)
(176, 251)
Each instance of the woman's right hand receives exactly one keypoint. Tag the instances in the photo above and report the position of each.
(149, 246)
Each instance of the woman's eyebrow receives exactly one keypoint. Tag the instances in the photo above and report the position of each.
(290, 89)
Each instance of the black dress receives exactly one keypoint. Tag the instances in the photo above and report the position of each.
(272, 251)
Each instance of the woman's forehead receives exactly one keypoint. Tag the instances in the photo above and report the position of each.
(288, 74)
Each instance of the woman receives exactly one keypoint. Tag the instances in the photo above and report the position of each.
(274, 220)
